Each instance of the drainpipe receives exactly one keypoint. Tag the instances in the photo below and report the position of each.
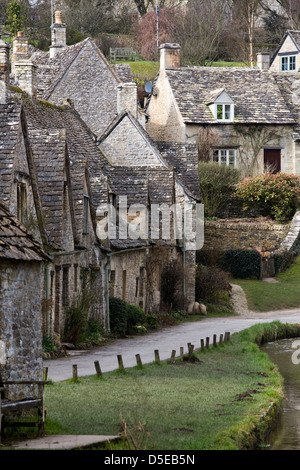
(47, 275)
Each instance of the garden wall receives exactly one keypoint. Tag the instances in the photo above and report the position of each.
(246, 234)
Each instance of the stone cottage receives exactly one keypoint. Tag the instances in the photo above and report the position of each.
(45, 157)
(139, 171)
(22, 264)
(236, 116)
(79, 72)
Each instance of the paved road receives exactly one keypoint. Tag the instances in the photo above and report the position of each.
(164, 340)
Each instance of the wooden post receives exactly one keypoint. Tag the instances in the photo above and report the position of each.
(202, 344)
(221, 339)
(181, 353)
(98, 368)
(173, 356)
(226, 337)
(139, 360)
(75, 376)
(156, 354)
(45, 373)
(120, 361)
(207, 342)
(191, 349)
(215, 341)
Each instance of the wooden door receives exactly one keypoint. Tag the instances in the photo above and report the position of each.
(272, 160)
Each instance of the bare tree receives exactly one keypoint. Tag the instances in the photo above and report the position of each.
(247, 13)
(200, 28)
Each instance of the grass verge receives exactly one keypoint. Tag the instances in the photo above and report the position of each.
(265, 296)
(223, 399)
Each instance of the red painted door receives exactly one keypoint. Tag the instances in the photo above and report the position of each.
(272, 160)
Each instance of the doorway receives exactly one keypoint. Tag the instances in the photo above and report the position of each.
(272, 160)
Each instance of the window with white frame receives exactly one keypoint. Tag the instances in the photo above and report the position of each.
(224, 157)
(288, 63)
(224, 112)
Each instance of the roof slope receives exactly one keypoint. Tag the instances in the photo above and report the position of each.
(16, 243)
(51, 71)
(255, 94)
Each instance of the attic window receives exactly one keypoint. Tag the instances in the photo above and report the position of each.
(288, 63)
(224, 112)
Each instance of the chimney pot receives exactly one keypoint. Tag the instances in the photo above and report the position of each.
(58, 34)
(58, 17)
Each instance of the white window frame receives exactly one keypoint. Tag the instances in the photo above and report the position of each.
(226, 112)
(288, 63)
(224, 156)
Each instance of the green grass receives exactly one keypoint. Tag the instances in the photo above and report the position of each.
(200, 405)
(264, 296)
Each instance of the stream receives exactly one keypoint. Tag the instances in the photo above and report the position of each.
(286, 433)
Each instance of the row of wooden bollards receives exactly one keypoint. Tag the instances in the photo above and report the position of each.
(203, 346)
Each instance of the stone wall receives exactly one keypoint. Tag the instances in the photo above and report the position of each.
(229, 235)
(125, 146)
(21, 319)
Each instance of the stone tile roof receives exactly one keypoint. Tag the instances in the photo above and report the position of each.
(16, 243)
(255, 94)
(288, 85)
(51, 71)
(55, 130)
(183, 158)
(9, 125)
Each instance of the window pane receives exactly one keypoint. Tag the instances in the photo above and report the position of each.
(220, 111)
(224, 157)
(216, 156)
(284, 63)
(227, 111)
(232, 157)
(293, 62)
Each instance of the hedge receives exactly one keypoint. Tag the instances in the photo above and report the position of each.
(242, 264)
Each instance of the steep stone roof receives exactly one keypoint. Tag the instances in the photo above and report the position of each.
(51, 71)
(183, 158)
(9, 125)
(289, 85)
(56, 132)
(255, 94)
(16, 243)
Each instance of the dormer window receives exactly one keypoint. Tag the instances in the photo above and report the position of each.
(221, 105)
(224, 112)
(288, 63)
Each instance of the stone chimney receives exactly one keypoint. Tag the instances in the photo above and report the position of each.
(58, 35)
(25, 75)
(263, 61)
(127, 99)
(4, 71)
(169, 55)
(20, 50)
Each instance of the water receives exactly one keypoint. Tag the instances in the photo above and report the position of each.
(286, 433)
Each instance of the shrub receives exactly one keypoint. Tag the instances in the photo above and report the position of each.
(124, 317)
(212, 284)
(118, 316)
(135, 315)
(217, 183)
(243, 264)
(277, 192)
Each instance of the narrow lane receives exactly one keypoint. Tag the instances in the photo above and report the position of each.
(164, 340)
